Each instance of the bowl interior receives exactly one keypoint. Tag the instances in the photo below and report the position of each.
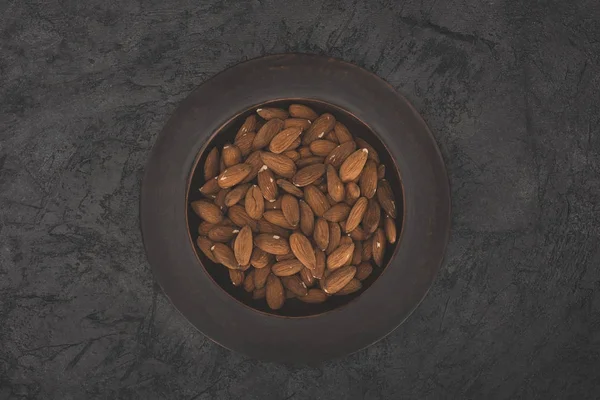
(219, 273)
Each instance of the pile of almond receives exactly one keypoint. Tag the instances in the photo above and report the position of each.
(296, 207)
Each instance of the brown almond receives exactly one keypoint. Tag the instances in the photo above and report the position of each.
(321, 264)
(305, 152)
(357, 254)
(207, 211)
(302, 111)
(236, 276)
(220, 198)
(372, 216)
(353, 165)
(259, 293)
(288, 187)
(367, 249)
(314, 296)
(240, 217)
(363, 271)
(254, 203)
(249, 125)
(335, 187)
(297, 122)
(255, 162)
(342, 133)
(276, 217)
(265, 226)
(242, 247)
(273, 205)
(290, 209)
(249, 282)
(353, 286)
(260, 277)
(211, 164)
(266, 133)
(279, 164)
(321, 234)
(266, 183)
(305, 162)
(236, 194)
(319, 128)
(368, 179)
(307, 277)
(331, 137)
(287, 267)
(378, 247)
(260, 259)
(372, 152)
(316, 200)
(210, 187)
(295, 285)
(231, 154)
(338, 279)
(292, 155)
(275, 294)
(307, 218)
(340, 256)
(322, 147)
(352, 193)
(385, 196)
(205, 246)
(381, 171)
(244, 142)
(340, 154)
(205, 227)
(284, 139)
(337, 213)
(303, 250)
(356, 214)
(222, 233)
(389, 225)
(308, 175)
(269, 113)
(224, 255)
(359, 233)
(272, 244)
(335, 235)
(234, 175)
(326, 273)
(283, 257)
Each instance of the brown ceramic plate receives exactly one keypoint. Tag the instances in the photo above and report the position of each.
(298, 332)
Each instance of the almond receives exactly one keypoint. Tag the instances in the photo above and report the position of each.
(231, 154)
(357, 254)
(288, 187)
(297, 122)
(381, 171)
(363, 271)
(331, 137)
(260, 277)
(266, 133)
(222, 233)
(342, 133)
(272, 244)
(259, 293)
(266, 183)
(335, 187)
(340, 256)
(352, 193)
(292, 155)
(353, 286)
(389, 225)
(378, 247)
(353, 165)
(372, 216)
(242, 247)
(372, 152)
(211, 187)
(305, 152)
(314, 296)
(244, 142)
(302, 111)
(236, 276)
(335, 235)
(279, 164)
(303, 250)
(320, 259)
(273, 205)
(283, 257)
(254, 203)
(265, 226)
(295, 285)
(340, 154)
(305, 162)
(234, 175)
(307, 277)
(367, 253)
(284, 139)
(239, 217)
(316, 200)
(338, 279)
(308, 175)
(287, 267)
(356, 214)
(249, 125)
(269, 113)
(224, 255)
(322, 147)
(249, 282)
(386, 198)
(205, 245)
(207, 211)
(211, 164)
(260, 259)
(307, 218)
(290, 209)
(319, 128)
(236, 194)
(368, 179)
(337, 213)
(276, 217)
(205, 227)
(321, 234)
(220, 198)
(359, 233)
(256, 163)
(275, 294)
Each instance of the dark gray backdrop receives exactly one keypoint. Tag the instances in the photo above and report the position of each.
(510, 90)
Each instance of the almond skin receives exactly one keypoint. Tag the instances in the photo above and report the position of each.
(236, 276)
(305, 162)
(319, 128)
(363, 271)
(314, 296)
(308, 175)
(353, 286)
(295, 285)
(256, 163)
(340, 154)
(260, 259)
(303, 250)
(368, 179)
(381, 171)
(205, 246)
(338, 279)
(342, 133)
(209, 212)
(222, 233)
(244, 142)
(236, 194)
(284, 139)
(249, 125)
(352, 193)
(266, 133)
(372, 216)
(335, 235)
(249, 282)
(276, 217)
(321, 264)
(385, 196)
(321, 233)
(211, 164)
(307, 277)
(254, 203)
(340, 256)
(288, 187)
(357, 254)
(275, 294)
(353, 165)
(389, 225)
(356, 214)
(307, 218)
(378, 247)
(259, 293)
(265, 226)
(272, 244)
(302, 123)
(233, 175)
(279, 164)
(287, 267)
(322, 147)
(242, 247)
(335, 187)
(224, 255)
(269, 113)
(290, 209)
(260, 277)
(231, 154)
(316, 200)
(237, 214)
(210, 187)
(302, 111)
(337, 213)
(266, 183)
(372, 152)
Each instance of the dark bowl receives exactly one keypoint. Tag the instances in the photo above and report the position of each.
(298, 332)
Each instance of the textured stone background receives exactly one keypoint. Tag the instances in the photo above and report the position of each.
(510, 90)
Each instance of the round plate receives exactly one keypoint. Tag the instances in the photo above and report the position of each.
(389, 300)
